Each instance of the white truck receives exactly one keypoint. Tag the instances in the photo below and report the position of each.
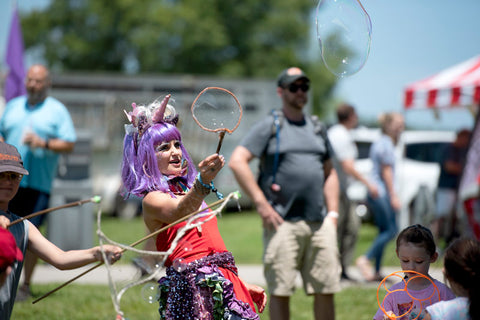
(417, 169)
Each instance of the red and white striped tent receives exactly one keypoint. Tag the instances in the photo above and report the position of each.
(456, 86)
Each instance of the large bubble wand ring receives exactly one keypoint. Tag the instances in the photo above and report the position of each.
(217, 110)
(413, 275)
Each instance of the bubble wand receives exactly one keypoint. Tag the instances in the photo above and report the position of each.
(132, 245)
(389, 313)
(94, 199)
(217, 110)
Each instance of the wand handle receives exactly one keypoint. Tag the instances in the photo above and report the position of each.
(68, 205)
(68, 282)
(220, 141)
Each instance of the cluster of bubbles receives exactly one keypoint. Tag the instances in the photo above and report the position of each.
(149, 292)
(344, 33)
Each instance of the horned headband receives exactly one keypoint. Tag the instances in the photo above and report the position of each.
(143, 117)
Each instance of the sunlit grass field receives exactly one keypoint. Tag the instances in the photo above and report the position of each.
(242, 233)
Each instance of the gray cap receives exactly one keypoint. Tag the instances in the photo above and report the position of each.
(10, 159)
(290, 75)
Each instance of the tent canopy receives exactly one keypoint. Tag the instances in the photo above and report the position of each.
(456, 86)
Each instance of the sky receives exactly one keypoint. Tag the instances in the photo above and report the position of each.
(411, 40)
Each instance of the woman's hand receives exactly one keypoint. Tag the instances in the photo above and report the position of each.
(395, 202)
(258, 295)
(210, 167)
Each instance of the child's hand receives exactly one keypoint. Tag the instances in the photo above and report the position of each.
(4, 222)
(389, 315)
(113, 253)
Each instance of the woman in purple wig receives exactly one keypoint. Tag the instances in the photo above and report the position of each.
(202, 280)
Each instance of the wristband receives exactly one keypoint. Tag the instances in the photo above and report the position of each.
(332, 214)
(211, 187)
(201, 189)
(46, 144)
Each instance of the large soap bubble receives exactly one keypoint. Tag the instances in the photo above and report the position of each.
(344, 35)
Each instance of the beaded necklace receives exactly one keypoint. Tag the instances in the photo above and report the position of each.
(177, 187)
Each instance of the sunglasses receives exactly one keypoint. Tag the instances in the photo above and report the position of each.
(11, 176)
(294, 87)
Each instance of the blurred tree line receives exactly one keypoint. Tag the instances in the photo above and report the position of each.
(247, 38)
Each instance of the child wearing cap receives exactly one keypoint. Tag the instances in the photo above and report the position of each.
(26, 235)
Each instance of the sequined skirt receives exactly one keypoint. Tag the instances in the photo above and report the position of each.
(198, 290)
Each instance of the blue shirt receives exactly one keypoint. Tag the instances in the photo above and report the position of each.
(49, 119)
(382, 153)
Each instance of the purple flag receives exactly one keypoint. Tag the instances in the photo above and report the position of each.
(14, 84)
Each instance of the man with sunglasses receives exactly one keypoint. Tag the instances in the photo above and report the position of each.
(27, 235)
(297, 198)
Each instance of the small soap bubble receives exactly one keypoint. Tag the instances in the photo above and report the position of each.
(150, 292)
(179, 265)
(185, 246)
(344, 33)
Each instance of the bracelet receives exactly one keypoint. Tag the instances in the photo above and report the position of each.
(46, 144)
(332, 214)
(201, 189)
(209, 187)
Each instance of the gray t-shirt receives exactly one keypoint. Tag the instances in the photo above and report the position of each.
(300, 167)
(8, 291)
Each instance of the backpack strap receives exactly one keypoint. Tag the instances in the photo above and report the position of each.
(277, 124)
(321, 130)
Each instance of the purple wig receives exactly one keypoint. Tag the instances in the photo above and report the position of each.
(140, 173)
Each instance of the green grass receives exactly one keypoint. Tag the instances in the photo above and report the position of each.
(242, 233)
(89, 302)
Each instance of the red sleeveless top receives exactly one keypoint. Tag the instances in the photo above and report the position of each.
(195, 243)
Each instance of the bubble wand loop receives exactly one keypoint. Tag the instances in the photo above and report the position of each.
(217, 110)
(133, 245)
(390, 313)
(95, 199)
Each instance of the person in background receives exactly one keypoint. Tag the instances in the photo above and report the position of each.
(41, 128)
(386, 205)
(346, 153)
(451, 167)
(297, 198)
(201, 281)
(416, 250)
(462, 271)
(9, 252)
(27, 236)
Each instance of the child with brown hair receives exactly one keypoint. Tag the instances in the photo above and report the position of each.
(416, 250)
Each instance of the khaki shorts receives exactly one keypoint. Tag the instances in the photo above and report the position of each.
(306, 247)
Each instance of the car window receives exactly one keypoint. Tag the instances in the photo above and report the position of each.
(363, 149)
(426, 151)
